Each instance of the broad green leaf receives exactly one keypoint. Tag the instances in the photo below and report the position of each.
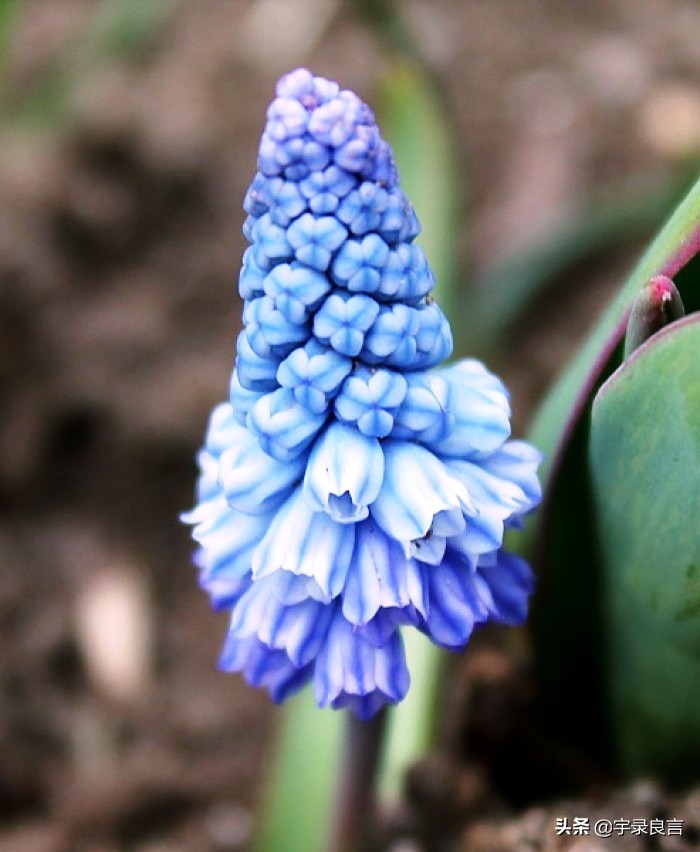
(567, 609)
(645, 472)
(677, 243)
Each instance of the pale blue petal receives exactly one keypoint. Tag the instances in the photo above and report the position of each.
(480, 410)
(344, 473)
(496, 497)
(242, 399)
(385, 623)
(282, 425)
(391, 671)
(254, 372)
(221, 429)
(306, 542)
(417, 486)
(377, 576)
(431, 547)
(517, 462)
(369, 398)
(417, 586)
(227, 542)
(299, 629)
(426, 414)
(253, 481)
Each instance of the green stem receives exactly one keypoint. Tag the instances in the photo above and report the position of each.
(354, 822)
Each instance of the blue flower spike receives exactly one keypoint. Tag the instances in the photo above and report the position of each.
(351, 487)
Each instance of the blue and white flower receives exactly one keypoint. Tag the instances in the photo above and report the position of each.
(351, 487)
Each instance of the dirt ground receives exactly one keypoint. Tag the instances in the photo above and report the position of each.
(128, 142)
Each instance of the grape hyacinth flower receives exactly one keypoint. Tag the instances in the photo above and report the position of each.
(350, 487)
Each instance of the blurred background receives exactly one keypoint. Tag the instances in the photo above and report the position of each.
(128, 132)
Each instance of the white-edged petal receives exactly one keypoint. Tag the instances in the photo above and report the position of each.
(299, 629)
(417, 486)
(253, 481)
(479, 409)
(306, 542)
(502, 486)
(352, 672)
(377, 577)
(344, 473)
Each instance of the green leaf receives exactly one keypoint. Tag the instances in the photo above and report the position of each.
(300, 797)
(667, 254)
(413, 118)
(567, 613)
(645, 469)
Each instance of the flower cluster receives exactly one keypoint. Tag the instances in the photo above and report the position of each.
(349, 487)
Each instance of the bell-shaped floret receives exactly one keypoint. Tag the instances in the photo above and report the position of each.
(395, 215)
(254, 202)
(282, 425)
(286, 118)
(315, 239)
(253, 481)
(227, 541)
(362, 210)
(433, 339)
(241, 399)
(454, 604)
(504, 583)
(331, 181)
(308, 543)
(359, 264)
(270, 243)
(298, 629)
(227, 538)
(344, 473)
(392, 338)
(501, 486)
(284, 200)
(352, 672)
(269, 332)
(380, 577)
(425, 415)
(263, 667)
(405, 274)
(251, 277)
(480, 410)
(336, 121)
(417, 486)
(255, 372)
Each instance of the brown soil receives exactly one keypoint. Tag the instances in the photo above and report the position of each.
(126, 154)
